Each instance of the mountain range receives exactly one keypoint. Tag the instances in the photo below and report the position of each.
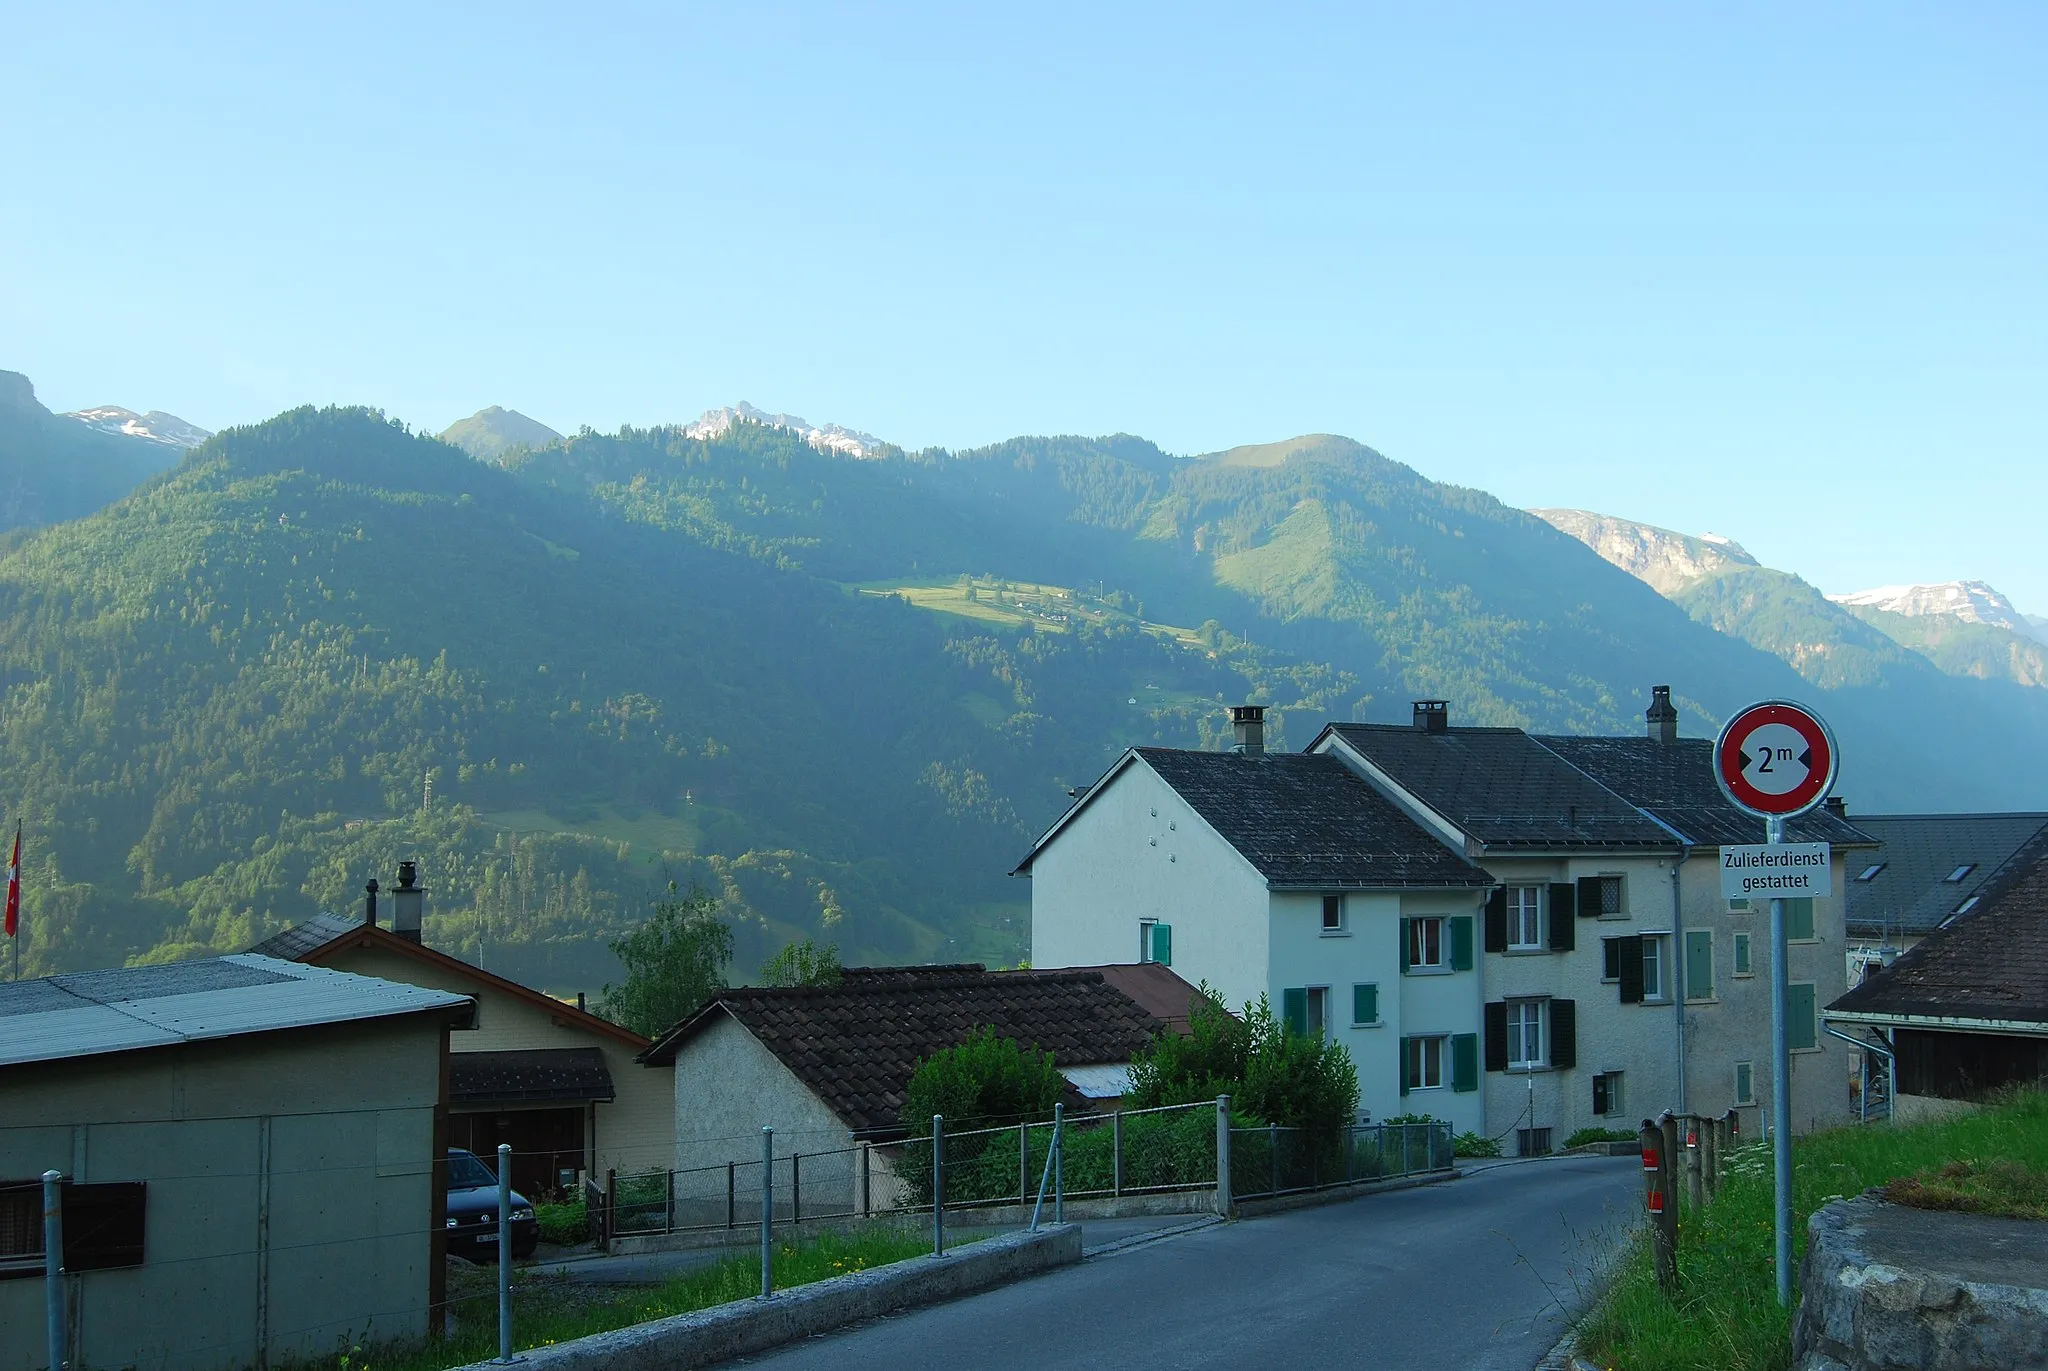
(55, 467)
(841, 694)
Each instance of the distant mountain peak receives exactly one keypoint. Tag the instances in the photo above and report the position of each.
(493, 431)
(1973, 602)
(155, 426)
(1665, 560)
(824, 437)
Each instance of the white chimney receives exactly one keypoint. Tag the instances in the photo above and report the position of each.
(407, 902)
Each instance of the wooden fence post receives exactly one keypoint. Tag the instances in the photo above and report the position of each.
(1695, 1190)
(1710, 1159)
(1664, 1219)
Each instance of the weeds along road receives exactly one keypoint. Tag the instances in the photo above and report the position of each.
(1485, 1271)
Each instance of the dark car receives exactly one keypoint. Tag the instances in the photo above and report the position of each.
(473, 1211)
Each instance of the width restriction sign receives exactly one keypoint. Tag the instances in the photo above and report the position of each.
(1775, 759)
(1776, 871)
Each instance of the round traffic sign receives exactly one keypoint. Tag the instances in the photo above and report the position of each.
(1775, 759)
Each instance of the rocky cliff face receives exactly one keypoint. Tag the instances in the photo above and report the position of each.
(1666, 560)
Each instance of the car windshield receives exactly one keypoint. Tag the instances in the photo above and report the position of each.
(465, 1172)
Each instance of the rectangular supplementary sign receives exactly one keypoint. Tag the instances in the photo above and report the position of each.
(1785, 870)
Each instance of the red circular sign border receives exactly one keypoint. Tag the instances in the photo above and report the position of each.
(1728, 768)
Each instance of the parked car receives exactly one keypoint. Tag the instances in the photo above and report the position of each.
(473, 1211)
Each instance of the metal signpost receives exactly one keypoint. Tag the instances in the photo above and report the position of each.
(1777, 760)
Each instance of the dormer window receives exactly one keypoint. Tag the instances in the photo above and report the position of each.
(1869, 873)
(1956, 877)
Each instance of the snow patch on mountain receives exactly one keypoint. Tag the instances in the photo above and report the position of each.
(824, 437)
(1973, 602)
(156, 426)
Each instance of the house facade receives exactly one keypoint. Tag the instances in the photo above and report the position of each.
(1282, 876)
(1928, 869)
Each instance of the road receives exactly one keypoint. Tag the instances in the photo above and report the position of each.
(1481, 1272)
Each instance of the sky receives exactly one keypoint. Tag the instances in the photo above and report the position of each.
(1772, 271)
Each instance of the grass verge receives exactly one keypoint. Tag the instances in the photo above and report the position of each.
(551, 1309)
(1726, 1315)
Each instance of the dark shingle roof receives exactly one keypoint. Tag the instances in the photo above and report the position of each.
(1990, 964)
(1504, 788)
(298, 940)
(1910, 894)
(855, 1044)
(1306, 820)
(548, 1073)
(1674, 783)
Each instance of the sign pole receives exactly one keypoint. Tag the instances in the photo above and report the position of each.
(1781, 1085)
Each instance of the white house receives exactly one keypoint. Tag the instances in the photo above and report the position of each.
(1284, 876)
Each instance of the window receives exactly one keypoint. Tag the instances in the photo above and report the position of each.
(1800, 1028)
(1155, 942)
(1740, 905)
(1961, 873)
(21, 1225)
(1653, 968)
(1742, 955)
(1426, 1063)
(1426, 942)
(1745, 1083)
(1306, 1010)
(1869, 873)
(1525, 918)
(1600, 897)
(1318, 1011)
(103, 1225)
(1365, 1006)
(1699, 964)
(1333, 913)
(1525, 1035)
(1967, 905)
(1607, 1094)
(1799, 919)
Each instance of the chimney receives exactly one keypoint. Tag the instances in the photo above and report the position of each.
(370, 904)
(1248, 722)
(1663, 718)
(1432, 716)
(406, 903)
(1836, 805)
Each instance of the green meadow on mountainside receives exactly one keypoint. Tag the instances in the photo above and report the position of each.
(842, 694)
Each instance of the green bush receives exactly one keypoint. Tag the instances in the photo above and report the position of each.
(1600, 1135)
(563, 1224)
(1475, 1145)
(1271, 1073)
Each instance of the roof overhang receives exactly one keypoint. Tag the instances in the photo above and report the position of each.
(1941, 1023)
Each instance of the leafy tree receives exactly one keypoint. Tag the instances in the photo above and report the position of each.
(802, 962)
(1271, 1073)
(674, 962)
(988, 1079)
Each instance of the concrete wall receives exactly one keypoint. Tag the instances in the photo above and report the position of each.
(635, 1132)
(1138, 851)
(290, 1193)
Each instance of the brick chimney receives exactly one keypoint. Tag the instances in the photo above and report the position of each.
(407, 902)
(1248, 723)
(1432, 716)
(1662, 717)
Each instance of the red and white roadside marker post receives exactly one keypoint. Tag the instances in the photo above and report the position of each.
(1777, 760)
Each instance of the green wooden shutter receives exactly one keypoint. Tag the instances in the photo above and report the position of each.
(1461, 942)
(1799, 918)
(1699, 964)
(1294, 1010)
(1464, 1061)
(1742, 954)
(1405, 945)
(1162, 944)
(1365, 1004)
(1799, 1025)
(1630, 950)
(1564, 1034)
(1497, 920)
(1565, 901)
(1401, 1061)
(1564, 933)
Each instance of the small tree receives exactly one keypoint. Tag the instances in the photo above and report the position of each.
(986, 1079)
(1270, 1072)
(802, 963)
(674, 962)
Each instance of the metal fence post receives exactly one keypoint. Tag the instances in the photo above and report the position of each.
(670, 1227)
(1223, 1196)
(1273, 1155)
(767, 1211)
(796, 1187)
(866, 1192)
(53, 1265)
(1023, 1163)
(731, 1217)
(504, 1251)
(938, 1185)
(1059, 1163)
(1116, 1151)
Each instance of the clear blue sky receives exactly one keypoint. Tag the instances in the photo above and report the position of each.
(1777, 275)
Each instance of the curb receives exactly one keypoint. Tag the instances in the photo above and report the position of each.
(682, 1342)
(1159, 1235)
(1309, 1199)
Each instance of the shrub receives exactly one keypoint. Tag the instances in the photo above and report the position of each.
(1271, 1073)
(986, 1079)
(1474, 1145)
(1599, 1135)
(563, 1224)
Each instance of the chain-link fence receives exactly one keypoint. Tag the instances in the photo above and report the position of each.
(1267, 1161)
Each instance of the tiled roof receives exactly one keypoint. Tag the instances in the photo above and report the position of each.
(1911, 894)
(1674, 783)
(1990, 964)
(1156, 989)
(1504, 788)
(1306, 821)
(855, 1044)
(548, 1073)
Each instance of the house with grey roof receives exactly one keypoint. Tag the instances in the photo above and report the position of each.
(252, 1161)
(1965, 1011)
(1618, 981)
(1928, 869)
(1285, 876)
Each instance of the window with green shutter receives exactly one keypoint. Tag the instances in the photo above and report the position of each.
(1294, 1010)
(1800, 1028)
(1161, 950)
(1699, 965)
(1461, 943)
(1464, 1061)
(1365, 1005)
(1742, 954)
(1799, 919)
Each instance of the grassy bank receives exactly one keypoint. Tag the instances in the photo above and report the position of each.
(1726, 1316)
(550, 1309)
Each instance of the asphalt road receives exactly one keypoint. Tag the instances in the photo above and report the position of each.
(1481, 1272)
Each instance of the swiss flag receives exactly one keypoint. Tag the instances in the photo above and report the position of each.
(14, 885)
